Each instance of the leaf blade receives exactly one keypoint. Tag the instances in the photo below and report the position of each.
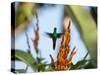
(87, 27)
(24, 57)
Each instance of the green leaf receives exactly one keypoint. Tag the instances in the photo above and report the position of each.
(87, 27)
(24, 57)
(41, 67)
(79, 65)
(40, 59)
(20, 70)
(90, 65)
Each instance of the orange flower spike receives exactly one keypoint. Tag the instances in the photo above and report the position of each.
(71, 56)
(62, 50)
(60, 56)
(67, 35)
(67, 23)
(63, 42)
(66, 52)
(36, 34)
(62, 62)
(36, 40)
(69, 26)
(73, 52)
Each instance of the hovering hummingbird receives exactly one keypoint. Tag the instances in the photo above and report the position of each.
(54, 36)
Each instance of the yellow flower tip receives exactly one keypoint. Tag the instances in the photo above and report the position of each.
(67, 23)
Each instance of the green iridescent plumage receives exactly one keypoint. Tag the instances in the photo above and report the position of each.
(54, 36)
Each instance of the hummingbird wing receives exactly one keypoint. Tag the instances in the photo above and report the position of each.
(49, 34)
(59, 35)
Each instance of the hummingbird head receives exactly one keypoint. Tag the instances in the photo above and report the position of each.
(55, 29)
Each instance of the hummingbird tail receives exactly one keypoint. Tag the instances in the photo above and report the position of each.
(54, 44)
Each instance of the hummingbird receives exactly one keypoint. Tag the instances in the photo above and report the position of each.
(54, 36)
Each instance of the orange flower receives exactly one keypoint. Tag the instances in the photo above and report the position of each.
(35, 41)
(62, 62)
